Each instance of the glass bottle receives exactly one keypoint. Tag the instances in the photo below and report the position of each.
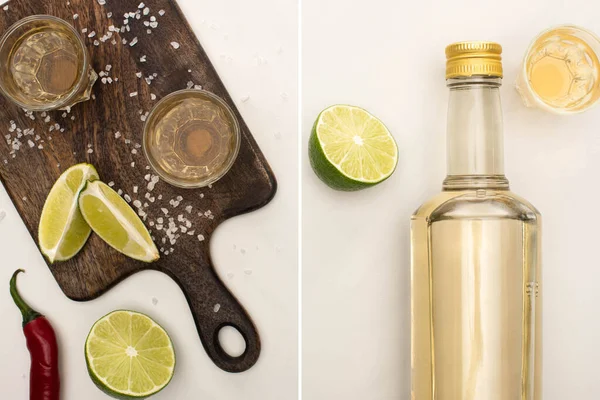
(475, 255)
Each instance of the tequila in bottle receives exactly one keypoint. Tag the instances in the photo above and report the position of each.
(475, 255)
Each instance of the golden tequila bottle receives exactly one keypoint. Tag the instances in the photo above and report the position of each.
(475, 255)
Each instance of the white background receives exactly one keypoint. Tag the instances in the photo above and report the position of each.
(388, 56)
(254, 48)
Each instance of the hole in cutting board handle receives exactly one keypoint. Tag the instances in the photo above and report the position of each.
(231, 341)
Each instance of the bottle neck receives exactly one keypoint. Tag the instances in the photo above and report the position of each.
(475, 146)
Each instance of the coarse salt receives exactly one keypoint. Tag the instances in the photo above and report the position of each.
(175, 45)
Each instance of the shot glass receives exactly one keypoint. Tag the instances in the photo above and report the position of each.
(560, 71)
(191, 138)
(44, 64)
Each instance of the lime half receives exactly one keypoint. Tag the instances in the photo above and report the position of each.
(63, 231)
(111, 218)
(350, 149)
(129, 356)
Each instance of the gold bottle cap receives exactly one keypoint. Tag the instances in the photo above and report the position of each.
(464, 59)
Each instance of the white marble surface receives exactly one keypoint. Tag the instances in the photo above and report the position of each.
(388, 56)
(256, 56)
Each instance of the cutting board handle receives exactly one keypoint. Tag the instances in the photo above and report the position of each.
(201, 283)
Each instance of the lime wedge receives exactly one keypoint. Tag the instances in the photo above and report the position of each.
(350, 149)
(111, 218)
(62, 231)
(129, 356)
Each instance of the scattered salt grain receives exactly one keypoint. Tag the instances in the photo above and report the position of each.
(137, 203)
(75, 16)
(165, 211)
(90, 151)
(138, 74)
(133, 94)
(133, 41)
(102, 2)
(161, 12)
(217, 307)
(142, 5)
(146, 11)
(92, 34)
(111, 184)
(5, 8)
(117, 134)
(201, 238)
(133, 164)
(188, 209)
(152, 96)
(133, 151)
(127, 197)
(175, 45)
(135, 189)
(143, 59)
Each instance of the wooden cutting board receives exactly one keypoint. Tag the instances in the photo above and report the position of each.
(107, 132)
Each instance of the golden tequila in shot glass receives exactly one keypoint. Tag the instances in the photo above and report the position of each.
(191, 138)
(45, 65)
(560, 71)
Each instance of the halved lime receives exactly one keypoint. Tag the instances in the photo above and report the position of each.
(129, 356)
(111, 218)
(62, 231)
(350, 149)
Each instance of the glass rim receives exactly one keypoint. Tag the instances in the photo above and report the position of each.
(75, 89)
(237, 134)
(539, 101)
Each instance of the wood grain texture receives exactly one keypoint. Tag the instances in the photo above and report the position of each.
(30, 172)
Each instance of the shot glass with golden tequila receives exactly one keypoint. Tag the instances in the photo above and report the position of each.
(45, 65)
(191, 138)
(560, 71)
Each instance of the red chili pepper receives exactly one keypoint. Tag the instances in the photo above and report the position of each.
(44, 380)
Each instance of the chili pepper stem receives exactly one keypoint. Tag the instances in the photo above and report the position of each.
(29, 314)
